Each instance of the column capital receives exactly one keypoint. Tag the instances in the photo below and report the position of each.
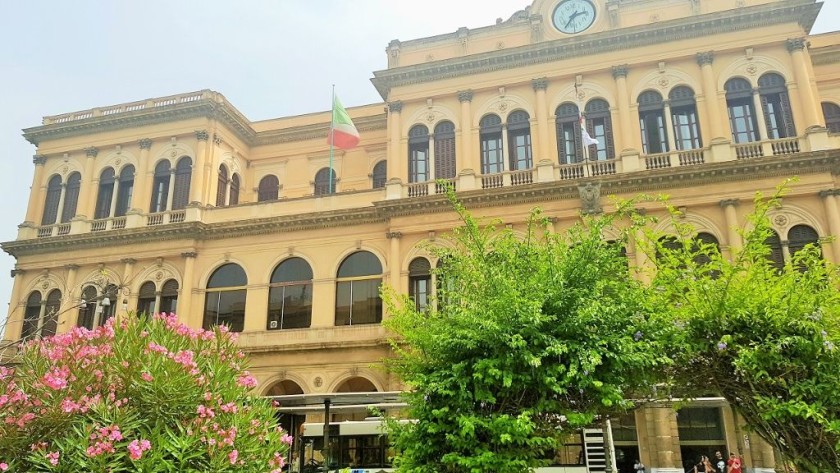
(202, 135)
(706, 57)
(392, 235)
(465, 95)
(128, 261)
(189, 254)
(829, 192)
(395, 106)
(17, 272)
(71, 267)
(92, 151)
(727, 202)
(620, 71)
(39, 159)
(145, 143)
(537, 84)
(796, 44)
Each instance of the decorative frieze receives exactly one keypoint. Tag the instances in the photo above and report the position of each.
(145, 143)
(465, 96)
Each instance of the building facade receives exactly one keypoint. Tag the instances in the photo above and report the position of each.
(182, 204)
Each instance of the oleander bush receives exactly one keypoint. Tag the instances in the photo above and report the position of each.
(140, 394)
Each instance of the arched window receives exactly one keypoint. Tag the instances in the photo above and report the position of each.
(106, 194)
(704, 239)
(667, 243)
(420, 282)
(445, 166)
(776, 255)
(52, 200)
(234, 190)
(599, 126)
(160, 187)
(684, 118)
(776, 104)
(742, 118)
(357, 298)
(519, 140)
(181, 192)
(490, 134)
(380, 174)
(652, 122)
(799, 237)
(221, 189)
(71, 197)
(225, 300)
(290, 295)
(31, 316)
(108, 309)
(269, 188)
(51, 309)
(418, 154)
(831, 113)
(169, 297)
(569, 150)
(147, 298)
(124, 191)
(87, 311)
(325, 181)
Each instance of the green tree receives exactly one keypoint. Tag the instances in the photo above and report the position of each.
(144, 394)
(762, 337)
(529, 339)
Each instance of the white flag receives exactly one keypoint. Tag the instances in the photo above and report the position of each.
(587, 140)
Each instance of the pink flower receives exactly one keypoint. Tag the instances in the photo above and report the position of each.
(287, 439)
(146, 377)
(136, 448)
(232, 456)
(246, 380)
(53, 458)
(4, 466)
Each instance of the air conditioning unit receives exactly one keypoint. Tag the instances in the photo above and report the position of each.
(272, 324)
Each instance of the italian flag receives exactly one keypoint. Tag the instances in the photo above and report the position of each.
(343, 134)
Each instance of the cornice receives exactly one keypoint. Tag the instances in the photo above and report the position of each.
(318, 130)
(824, 57)
(803, 11)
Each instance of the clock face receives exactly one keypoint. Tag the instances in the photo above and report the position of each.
(573, 16)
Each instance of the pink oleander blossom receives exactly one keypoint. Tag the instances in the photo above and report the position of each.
(53, 458)
(246, 380)
(232, 456)
(137, 447)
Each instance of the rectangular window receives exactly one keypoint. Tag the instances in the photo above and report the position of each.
(358, 302)
(492, 159)
(290, 306)
(598, 128)
(520, 150)
(225, 308)
(686, 130)
(742, 120)
(654, 140)
(418, 163)
(568, 145)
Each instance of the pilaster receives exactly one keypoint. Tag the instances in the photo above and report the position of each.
(87, 192)
(731, 216)
(396, 163)
(187, 313)
(540, 86)
(715, 118)
(197, 189)
(620, 76)
(143, 177)
(797, 49)
(468, 161)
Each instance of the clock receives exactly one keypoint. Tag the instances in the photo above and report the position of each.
(573, 16)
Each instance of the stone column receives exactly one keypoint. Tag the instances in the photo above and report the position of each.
(127, 276)
(66, 319)
(759, 115)
(14, 318)
(620, 76)
(61, 198)
(396, 164)
(112, 210)
(37, 194)
(197, 187)
(467, 158)
(810, 107)
(669, 129)
(187, 314)
(540, 86)
(87, 193)
(394, 265)
(731, 216)
(143, 178)
(716, 119)
(171, 192)
(833, 216)
(667, 445)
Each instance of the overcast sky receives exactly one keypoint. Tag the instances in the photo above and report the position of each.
(270, 58)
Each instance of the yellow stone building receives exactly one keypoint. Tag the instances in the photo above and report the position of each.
(181, 203)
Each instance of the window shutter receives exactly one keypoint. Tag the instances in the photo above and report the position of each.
(608, 132)
(787, 115)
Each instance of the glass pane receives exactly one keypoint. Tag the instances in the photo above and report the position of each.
(367, 306)
(229, 275)
(225, 308)
(361, 263)
(342, 303)
(291, 270)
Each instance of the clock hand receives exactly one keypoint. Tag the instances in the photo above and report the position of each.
(572, 18)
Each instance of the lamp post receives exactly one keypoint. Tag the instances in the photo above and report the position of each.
(101, 306)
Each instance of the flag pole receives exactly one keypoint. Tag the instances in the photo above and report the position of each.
(332, 138)
(582, 121)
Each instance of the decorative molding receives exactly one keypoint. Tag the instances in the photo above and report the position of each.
(705, 58)
(71, 267)
(91, 152)
(128, 261)
(681, 29)
(39, 159)
(202, 135)
(17, 272)
(590, 198)
(189, 254)
(829, 192)
(465, 95)
(620, 71)
(145, 143)
(395, 107)
(727, 202)
(392, 235)
(537, 84)
(796, 44)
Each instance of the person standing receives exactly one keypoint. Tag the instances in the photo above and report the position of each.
(720, 463)
(639, 467)
(734, 464)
